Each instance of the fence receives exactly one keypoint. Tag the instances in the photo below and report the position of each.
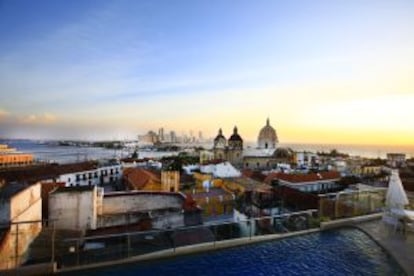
(71, 248)
(351, 204)
(90, 250)
(15, 239)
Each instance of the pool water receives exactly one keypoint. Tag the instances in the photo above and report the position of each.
(339, 252)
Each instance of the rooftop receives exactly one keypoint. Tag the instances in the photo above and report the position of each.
(36, 173)
(250, 184)
(74, 189)
(301, 178)
(399, 245)
(138, 177)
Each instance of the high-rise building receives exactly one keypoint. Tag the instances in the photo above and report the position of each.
(161, 134)
(173, 137)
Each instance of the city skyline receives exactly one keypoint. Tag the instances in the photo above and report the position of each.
(322, 71)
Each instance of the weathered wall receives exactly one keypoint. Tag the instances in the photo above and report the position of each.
(74, 210)
(136, 202)
(169, 219)
(25, 206)
(25, 199)
(159, 219)
(165, 210)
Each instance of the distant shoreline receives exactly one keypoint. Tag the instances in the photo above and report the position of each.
(107, 148)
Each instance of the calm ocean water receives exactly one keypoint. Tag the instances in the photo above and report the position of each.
(65, 154)
(50, 152)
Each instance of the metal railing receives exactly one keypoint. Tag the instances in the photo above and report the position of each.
(352, 203)
(96, 249)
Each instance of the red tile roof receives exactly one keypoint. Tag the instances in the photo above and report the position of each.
(36, 173)
(270, 177)
(255, 175)
(138, 177)
(300, 178)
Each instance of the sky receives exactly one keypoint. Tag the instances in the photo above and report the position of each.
(322, 71)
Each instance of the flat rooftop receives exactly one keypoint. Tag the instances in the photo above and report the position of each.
(400, 246)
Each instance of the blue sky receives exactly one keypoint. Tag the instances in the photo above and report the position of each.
(105, 69)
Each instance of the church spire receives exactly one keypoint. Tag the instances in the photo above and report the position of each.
(267, 122)
(235, 130)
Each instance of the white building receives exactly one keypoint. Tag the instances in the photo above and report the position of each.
(90, 174)
(396, 160)
(306, 159)
(311, 182)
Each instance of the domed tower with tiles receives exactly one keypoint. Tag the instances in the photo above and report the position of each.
(235, 148)
(231, 150)
(220, 146)
(267, 137)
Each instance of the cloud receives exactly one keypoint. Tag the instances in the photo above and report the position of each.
(3, 114)
(45, 118)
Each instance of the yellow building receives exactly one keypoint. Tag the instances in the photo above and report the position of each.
(200, 178)
(146, 180)
(170, 181)
(9, 157)
(241, 185)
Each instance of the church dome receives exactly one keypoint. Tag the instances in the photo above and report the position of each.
(267, 137)
(283, 153)
(235, 141)
(220, 141)
(235, 137)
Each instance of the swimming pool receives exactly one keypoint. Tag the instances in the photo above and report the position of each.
(339, 252)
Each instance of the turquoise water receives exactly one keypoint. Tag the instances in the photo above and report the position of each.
(340, 252)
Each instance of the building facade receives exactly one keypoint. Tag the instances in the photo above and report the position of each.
(18, 203)
(267, 138)
(231, 150)
(95, 175)
(9, 157)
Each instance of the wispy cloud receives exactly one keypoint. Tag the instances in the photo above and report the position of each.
(3, 114)
(45, 118)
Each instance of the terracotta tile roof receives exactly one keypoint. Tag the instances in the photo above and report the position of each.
(300, 178)
(36, 173)
(255, 175)
(138, 177)
(270, 177)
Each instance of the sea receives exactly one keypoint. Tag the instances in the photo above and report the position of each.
(50, 151)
